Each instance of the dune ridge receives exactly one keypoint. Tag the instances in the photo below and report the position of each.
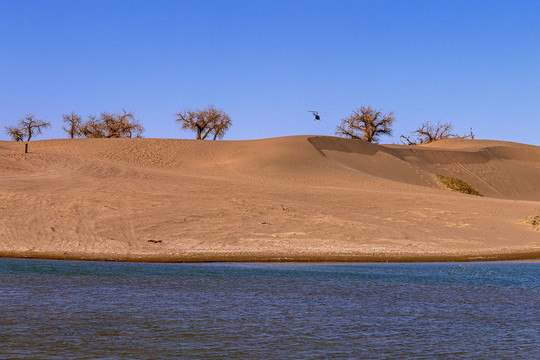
(299, 198)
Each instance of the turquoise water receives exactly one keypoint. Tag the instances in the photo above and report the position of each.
(87, 310)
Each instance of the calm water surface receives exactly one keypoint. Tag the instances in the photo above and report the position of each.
(88, 310)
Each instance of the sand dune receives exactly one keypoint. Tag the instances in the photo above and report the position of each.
(293, 198)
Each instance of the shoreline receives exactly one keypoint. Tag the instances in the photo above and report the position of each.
(532, 256)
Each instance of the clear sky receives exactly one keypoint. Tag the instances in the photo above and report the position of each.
(473, 63)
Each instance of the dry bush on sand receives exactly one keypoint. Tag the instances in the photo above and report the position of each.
(532, 220)
(73, 123)
(27, 127)
(207, 122)
(458, 185)
(366, 123)
(428, 132)
(121, 125)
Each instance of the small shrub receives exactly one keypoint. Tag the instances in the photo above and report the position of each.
(533, 220)
(456, 184)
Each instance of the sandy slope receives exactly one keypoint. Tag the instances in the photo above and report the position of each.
(292, 198)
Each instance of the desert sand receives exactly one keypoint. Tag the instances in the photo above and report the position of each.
(299, 198)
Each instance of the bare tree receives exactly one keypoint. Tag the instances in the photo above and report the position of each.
(220, 128)
(428, 132)
(27, 127)
(366, 123)
(15, 133)
(73, 123)
(121, 125)
(92, 128)
(209, 121)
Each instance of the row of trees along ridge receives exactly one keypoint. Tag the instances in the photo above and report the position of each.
(209, 122)
(365, 123)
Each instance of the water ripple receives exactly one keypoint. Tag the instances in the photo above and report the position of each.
(83, 310)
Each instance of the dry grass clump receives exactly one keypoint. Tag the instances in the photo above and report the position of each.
(456, 184)
(533, 220)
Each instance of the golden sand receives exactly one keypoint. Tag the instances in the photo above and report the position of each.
(301, 198)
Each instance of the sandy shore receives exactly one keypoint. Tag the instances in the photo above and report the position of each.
(301, 198)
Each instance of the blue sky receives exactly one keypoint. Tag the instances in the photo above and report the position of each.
(473, 63)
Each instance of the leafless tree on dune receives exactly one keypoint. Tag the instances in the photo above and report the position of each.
(73, 124)
(206, 122)
(121, 125)
(27, 127)
(366, 123)
(428, 132)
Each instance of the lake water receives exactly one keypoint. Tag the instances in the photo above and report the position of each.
(82, 310)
